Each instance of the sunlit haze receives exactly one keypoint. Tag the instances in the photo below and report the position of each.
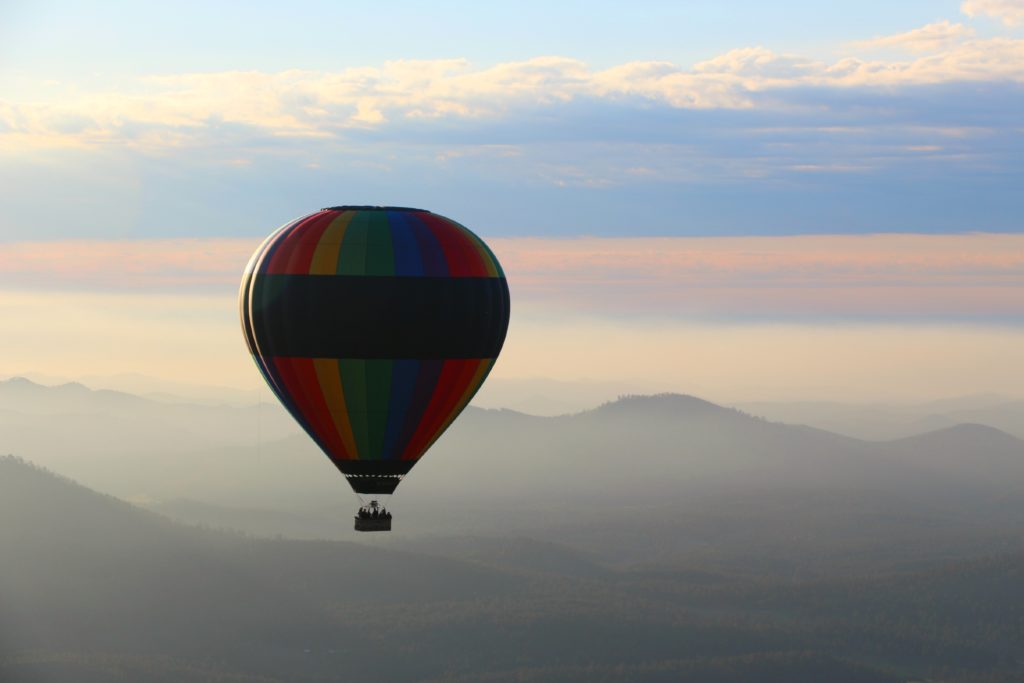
(733, 200)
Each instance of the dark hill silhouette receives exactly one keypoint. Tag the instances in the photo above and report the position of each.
(975, 455)
(964, 435)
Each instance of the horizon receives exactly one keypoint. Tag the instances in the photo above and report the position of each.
(732, 319)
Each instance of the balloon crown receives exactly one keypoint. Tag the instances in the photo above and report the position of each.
(349, 207)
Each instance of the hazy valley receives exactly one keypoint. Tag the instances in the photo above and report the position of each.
(652, 538)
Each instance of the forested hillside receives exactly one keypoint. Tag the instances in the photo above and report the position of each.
(94, 589)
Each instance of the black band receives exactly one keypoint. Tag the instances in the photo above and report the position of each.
(359, 468)
(358, 316)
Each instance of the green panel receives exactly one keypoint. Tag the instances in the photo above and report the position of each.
(352, 256)
(353, 382)
(378, 395)
(380, 260)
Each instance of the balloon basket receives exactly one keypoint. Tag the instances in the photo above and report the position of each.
(383, 524)
(373, 517)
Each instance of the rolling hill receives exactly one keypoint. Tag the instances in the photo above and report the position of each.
(94, 589)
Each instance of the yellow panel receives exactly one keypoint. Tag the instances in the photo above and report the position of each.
(325, 257)
(330, 384)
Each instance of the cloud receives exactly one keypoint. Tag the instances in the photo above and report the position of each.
(889, 276)
(1010, 12)
(930, 38)
(168, 265)
(162, 113)
(867, 276)
(719, 317)
(751, 141)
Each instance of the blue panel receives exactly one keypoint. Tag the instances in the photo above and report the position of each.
(434, 262)
(403, 384)
(404, 245)
(428, 374)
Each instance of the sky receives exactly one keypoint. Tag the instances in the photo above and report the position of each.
(735, 199)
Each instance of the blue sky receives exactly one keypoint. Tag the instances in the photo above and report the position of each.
(122, 120)
(120, 38)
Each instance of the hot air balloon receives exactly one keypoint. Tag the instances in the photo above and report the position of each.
(374, 326)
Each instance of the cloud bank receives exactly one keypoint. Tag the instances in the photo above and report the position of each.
(1010, 12)
(917, 131)
(864, 277)
(170, 111)
(935, 37)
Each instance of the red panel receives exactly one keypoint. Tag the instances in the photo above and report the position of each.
(327, 430)
(463, 258)
(304, 391)
(266, 249)
(464, 386)
(443, 387)
(301, 258)
(295, 244)
(455, 375)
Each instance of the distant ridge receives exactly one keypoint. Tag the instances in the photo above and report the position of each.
(24, 394)
(965, 431)
(659, 405)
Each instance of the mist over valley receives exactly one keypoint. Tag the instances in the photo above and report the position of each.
(650, 538)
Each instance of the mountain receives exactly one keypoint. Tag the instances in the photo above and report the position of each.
(666, 446)
(219, 422)
(120, 442)
(86, 573)
(736, 492)
(94, 589)
(881, 422)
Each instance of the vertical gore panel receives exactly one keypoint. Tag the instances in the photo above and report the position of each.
(262, 292)
(490, 261)
(427, 377)
(325, 258)
(352, 257)
(483, 368)
(353, 382)
(449, 387)
(248, 329)
(431, 254)
(261, 260)
(316, 405)
(378, 391)
(306, 240)
(294, 399)
(283, 247)
(463, 260)
(256, 266)
(403, 243)
(403, 383)
(379, 258)
(468, 369)
(330, 383)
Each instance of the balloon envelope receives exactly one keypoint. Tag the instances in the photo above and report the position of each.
(375, 326)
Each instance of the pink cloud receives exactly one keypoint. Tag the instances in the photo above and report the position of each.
(818, 275)
(144, 264)
(862, 275)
